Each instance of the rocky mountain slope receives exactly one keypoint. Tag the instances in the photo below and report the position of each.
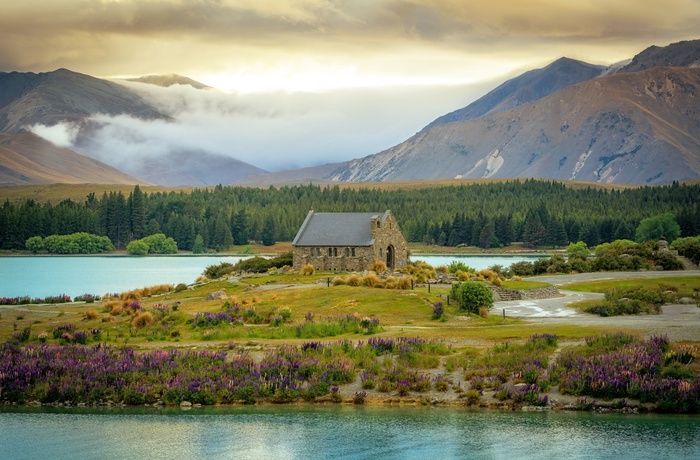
(638, 127)
(528, 87)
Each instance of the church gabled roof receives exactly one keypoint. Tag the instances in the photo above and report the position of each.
(337, 228)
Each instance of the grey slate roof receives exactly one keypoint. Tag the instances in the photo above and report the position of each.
(337, 229)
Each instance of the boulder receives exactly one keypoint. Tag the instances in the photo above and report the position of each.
(217, 295)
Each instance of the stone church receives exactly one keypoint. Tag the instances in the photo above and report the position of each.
(349, 241)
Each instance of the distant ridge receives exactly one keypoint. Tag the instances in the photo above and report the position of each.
(168, 80)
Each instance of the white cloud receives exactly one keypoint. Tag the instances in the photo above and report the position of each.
(62, 134)
(272, 131)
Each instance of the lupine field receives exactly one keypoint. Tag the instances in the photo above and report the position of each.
(620, 369)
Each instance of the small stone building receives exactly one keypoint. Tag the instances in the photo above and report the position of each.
(349, 241)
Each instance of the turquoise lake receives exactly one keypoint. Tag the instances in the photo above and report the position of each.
(41, 276)
(303, 432)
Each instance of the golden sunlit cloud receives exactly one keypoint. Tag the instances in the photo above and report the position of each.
(320, 45)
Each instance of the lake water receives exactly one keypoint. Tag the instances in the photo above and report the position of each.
(41, 276)
(303, 432)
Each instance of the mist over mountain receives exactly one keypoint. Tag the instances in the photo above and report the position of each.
(26, 159)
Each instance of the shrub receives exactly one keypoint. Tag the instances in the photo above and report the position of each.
(143, 319)
(359, 397)
(456, 266)
(578, 249)
(181, 287)
(472, 295)
(218, 271)
(137, 248)
(472, 397)
(308, 270)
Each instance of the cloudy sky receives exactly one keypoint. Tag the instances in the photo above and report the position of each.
(439, 54)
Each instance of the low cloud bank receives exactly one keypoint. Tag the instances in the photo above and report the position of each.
(272, 131)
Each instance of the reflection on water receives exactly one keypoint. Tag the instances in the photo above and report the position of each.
(342, 432)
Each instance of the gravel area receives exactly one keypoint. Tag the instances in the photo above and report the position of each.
(680, 322)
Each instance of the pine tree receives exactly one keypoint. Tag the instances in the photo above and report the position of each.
(198, 247)
(533, 230)
(137, 211)
(268, 232)
(556, 233)
(240, 228)
(487, 236)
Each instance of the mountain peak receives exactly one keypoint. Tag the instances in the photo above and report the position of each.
(681, 54)
(528, 87)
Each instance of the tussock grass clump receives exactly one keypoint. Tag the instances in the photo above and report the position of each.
(107, 306)
(378, 266)
(142, 320)
(130, 295)
(421, 271)
(372, 280)
(90, 313)
(484, 312)
(391, 282)
(353, 280)
(404, 283)
(308, 270)
(489, 275)
(339, 281)
(116, 309)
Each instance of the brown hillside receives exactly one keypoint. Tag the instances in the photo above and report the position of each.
(28, 159)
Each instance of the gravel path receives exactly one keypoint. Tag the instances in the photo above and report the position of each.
(680, 322)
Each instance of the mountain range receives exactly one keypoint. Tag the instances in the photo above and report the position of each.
(636, 122)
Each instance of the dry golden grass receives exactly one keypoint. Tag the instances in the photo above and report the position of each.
(142, 320)
(353, 280)
(90, 313)
(308, 270)
(378, 266)
(372, 280)
(338, 281)
(484, 312)
(404, 282)
(116, 309)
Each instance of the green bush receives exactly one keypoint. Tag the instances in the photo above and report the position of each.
(137, 248)
(472, 295)
(217, 271)
(75, 243)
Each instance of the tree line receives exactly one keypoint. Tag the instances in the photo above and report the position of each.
(536, 212)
